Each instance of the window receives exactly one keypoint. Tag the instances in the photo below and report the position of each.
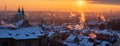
(5, 43)
(28, 44)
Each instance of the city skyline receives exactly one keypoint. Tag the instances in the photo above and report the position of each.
(59, 22)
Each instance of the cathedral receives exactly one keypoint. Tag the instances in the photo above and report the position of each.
(19, 19)
(19, 15)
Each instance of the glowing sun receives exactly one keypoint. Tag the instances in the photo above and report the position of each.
(80, 2)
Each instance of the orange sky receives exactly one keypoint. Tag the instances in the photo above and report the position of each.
(63, 5)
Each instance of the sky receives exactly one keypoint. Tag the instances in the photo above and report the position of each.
(62, 5)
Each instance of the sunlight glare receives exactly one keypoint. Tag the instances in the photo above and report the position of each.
(80, 2)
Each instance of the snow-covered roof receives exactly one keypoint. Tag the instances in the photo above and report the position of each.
(84, 30)
(50, 33)
(70, 38)
(99, 23)
(92, 22)
(5, 34)
(63, 31)
(22, 33)
(118, 35)
(103, 43)
(82, 37)
(105, 31)
(86, 42)
(17, 24)
(83, 40)
(71, 44)
(95, 22)
(5, 25)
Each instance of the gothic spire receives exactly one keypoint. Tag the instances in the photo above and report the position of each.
(22, 10)
(19, 9)
(5, 8)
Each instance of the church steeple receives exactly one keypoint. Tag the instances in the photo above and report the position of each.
(19, 9)
(5, 10)
(99, 17)
(22, 11)
(20, 14)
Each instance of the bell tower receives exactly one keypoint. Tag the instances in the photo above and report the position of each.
(19, 15)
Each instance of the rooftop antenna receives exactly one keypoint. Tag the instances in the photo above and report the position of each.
(5, 9)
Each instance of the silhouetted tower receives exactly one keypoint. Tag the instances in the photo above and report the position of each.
(23, 13)
(19, 15)
(4, 12)
(18, 10)
(99, 17)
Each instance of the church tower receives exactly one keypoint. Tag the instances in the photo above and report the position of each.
(19, 15)
(18, 10)
(22, 11)
(99, 17)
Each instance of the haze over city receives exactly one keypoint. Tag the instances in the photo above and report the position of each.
(62, 5)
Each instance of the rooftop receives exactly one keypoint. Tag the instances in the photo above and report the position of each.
(22, 33)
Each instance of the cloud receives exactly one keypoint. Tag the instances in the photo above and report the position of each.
(113, 2)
